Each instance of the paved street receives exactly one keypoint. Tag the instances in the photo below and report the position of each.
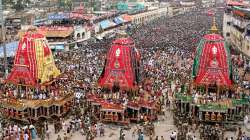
(164, 127)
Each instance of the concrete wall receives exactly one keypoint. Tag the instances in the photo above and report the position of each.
(149, 15)
(81, 32)
(227, 21)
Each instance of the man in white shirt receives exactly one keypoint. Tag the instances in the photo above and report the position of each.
(44, 96)
(173, 136)
(40, 96)
(26, 136)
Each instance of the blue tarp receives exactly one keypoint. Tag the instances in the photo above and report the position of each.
(104, 24)
(10, 49)
(58, 16)
(59, 47)
(118, 20)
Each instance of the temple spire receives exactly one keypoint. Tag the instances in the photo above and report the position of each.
(214, 28)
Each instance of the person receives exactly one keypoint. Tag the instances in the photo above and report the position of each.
(121, 132)
(33, 132)
(21, 135)
(58, 137)
(173, 136)
(43, 134)
(189, 135)
(55, 127)
(151, 137)
(101, 130)
(122, 135)
(26, 136)
(246, 120)
(46, 125)
(141, 136)
(65, 137)
(239, 133)
(48, 134)
(64, 127)
(133, 133)
(162, 138)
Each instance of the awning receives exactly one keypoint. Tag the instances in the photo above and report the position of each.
(58, 33)
(98, 37)
(234, 3)
(126, 18)
(40, 22)
(57, 47)
(106, 24)
(10, 49)
(118, 20)
(59, 16)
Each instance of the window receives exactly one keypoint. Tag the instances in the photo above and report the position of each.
(227, 34)
(247, 32)
(83, 35)
(78, 35)
(228, 23)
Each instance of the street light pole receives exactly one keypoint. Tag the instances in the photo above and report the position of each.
(3, 39)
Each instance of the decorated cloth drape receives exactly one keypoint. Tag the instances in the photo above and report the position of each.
(121, 66)
(34, 63)
(212, 63)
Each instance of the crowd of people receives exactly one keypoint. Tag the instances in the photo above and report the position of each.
(167, 46)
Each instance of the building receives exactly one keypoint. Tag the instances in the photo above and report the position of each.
(236, 27)
(181, 7)
(208, 3)
(147, 16)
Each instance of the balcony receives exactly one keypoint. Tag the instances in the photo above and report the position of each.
(240, 22)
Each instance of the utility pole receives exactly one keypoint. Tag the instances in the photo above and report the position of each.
(3, 39)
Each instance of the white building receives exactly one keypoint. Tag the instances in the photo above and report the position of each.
(81, 33)
(236, 28)
(147, 16)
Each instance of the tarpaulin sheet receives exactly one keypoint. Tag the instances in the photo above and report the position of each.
(10, 49)
(118, 20)
(106, 24)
